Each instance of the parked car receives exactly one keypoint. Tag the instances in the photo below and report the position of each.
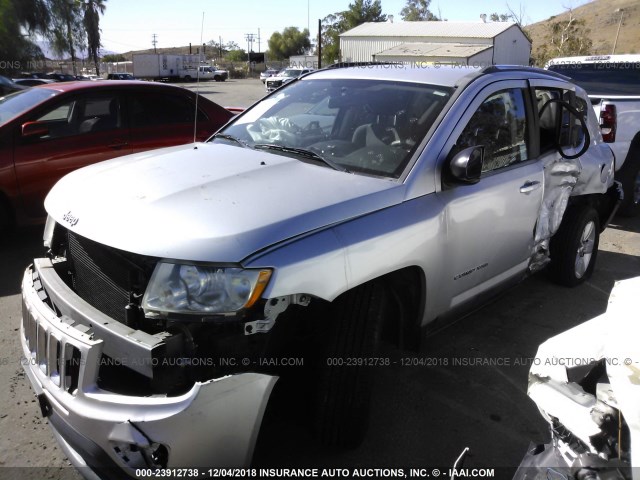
(285, 76)
(586, 384)
(613, 85)
(120, 76)
(267, 74)
(42, 75)
(350, 207)
(212, 73)
(50, 130)
(32, 82)
(62, 77)
(7, 86)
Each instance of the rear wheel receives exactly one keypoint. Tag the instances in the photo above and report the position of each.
(574, 247)
(345, 378)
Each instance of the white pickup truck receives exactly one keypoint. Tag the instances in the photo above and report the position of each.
(613, 85)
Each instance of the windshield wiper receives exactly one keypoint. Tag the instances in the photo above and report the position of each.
(302, 152)
(231, 138)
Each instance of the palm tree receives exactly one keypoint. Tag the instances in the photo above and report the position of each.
(92, 11)
(66, 32)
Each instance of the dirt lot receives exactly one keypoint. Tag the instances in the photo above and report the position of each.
(423, 415)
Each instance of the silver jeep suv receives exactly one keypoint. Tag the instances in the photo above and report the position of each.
(350, 206)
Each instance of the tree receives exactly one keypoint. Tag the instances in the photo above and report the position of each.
(91, 20)
(359, 12)
(566, 37)
(18, 20)
(238, 55)
(67, 30)
(288, 43)
(223, 49)
(417, 10)
(116, 57)
(503, 17)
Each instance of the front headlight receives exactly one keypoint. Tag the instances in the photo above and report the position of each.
(198, 289)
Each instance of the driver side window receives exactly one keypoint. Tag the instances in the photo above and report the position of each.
(500, 126)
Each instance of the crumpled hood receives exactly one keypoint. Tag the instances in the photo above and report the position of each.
(215, 203)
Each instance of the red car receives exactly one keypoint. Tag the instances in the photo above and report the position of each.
(50, 130)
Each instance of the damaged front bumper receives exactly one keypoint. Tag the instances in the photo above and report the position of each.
(110, 435)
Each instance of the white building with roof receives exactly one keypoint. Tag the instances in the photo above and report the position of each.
(466, 43)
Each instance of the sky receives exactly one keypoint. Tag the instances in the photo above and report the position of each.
(130, 24)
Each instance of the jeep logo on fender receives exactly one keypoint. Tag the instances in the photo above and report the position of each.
(70, 219)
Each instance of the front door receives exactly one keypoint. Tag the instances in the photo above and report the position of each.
(490, 225)
(78, 130)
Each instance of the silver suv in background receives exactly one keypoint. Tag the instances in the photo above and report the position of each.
(350, 207)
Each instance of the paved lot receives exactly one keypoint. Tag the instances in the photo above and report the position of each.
(423, 416)
(231, 93)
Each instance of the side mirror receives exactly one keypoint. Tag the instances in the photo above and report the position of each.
(34, 129)
(466, 165)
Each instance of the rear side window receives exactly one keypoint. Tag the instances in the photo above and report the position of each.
(558, 127)
(153, 109)
(606, 78)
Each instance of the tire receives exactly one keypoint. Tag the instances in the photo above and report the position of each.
(217, 78)
(342, 401)
(574, 247)
(187, 78)
(630, 178)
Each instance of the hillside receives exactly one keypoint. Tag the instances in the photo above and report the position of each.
(602, 21)
(170, 51)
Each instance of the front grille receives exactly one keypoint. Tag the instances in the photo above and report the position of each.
(56, 358)
(107, 278)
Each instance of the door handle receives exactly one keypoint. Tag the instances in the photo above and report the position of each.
(117, 145)
(529, 187)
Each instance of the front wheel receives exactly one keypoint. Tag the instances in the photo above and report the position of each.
(345, 378)
(574, 247)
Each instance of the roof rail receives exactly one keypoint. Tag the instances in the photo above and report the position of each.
(522, 68)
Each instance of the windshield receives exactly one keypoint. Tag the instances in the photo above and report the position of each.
(291, 73)
(17, 103)
(366, 126)
(605, 78)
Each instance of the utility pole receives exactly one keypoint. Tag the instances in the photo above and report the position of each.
(621, 10)
(319, 43)
(154, 42)
(249, 37)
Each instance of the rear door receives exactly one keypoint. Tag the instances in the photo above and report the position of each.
(79, 129)
(490, 225)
